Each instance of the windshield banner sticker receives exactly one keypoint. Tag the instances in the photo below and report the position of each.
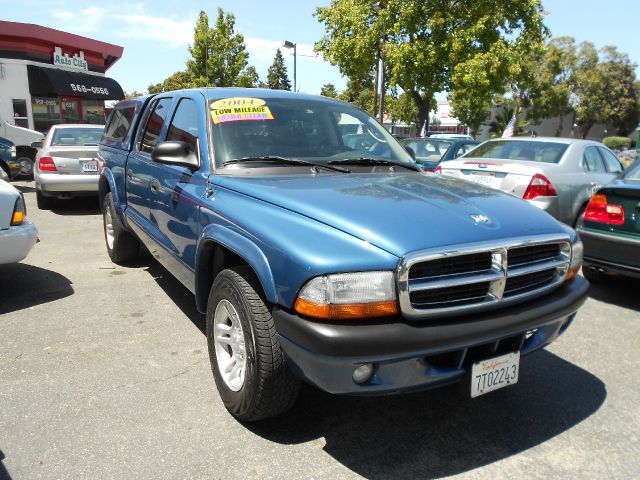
(239, 109)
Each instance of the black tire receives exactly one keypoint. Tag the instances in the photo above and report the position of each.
(44, 202)
(579, 222)
(124, 247)
(26, 166)
(593, 275)
(269, 388)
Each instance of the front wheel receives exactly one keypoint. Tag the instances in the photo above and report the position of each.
(248, 364)
(26, 167)
(122, 246)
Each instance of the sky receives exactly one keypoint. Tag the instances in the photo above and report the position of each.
(155, 34)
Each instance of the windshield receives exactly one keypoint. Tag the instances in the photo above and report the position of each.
(76, 136)
(428, 150)
(533, 151)
(256, 132)
(634, 172)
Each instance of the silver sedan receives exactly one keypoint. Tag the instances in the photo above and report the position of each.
(558, 175)
(67, 165)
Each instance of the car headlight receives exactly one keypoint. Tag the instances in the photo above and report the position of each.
(342, 296)
(577, 251)
(13, 151)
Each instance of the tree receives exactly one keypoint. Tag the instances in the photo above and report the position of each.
(424, 46)
(177, 81)
(359, 92)
(133, 94)
(249, 78)
(277, 78)
(402, 108)
(556, 80)
(329, 90)
(590, 86)
(218, 55)
(621, 93)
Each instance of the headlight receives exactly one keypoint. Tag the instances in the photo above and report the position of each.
(577, 250)
(341, 296)
(13, 151)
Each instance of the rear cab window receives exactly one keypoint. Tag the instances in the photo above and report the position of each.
(119, 126)
(153, 123)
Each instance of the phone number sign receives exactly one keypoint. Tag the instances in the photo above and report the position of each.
(76, 87)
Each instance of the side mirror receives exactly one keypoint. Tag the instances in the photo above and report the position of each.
(37, 144)
(176, 153)
(411, 152)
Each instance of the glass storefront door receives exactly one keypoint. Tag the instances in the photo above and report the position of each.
(70, 110)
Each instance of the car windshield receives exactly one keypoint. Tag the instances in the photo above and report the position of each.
(258, 132)
(533, 151)
(634, 172)
(76, 136)
(428, 150)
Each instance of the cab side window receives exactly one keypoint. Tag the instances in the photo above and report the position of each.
(592, 160)
(184, 124)
(119, 124)
(611, 161)
(153, 126)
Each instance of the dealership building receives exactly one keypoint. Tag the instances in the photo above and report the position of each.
(48, 77)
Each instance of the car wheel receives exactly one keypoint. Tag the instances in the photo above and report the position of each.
(44, 202)
(579, 222)
(593, 275)
(26, 167)
(122, 246)
(248, 364)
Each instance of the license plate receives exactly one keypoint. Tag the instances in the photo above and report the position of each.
(90, 166)
(495, 373)
(483, 178)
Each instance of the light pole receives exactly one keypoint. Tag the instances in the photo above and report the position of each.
(288, 44)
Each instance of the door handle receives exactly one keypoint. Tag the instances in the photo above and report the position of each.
(129, 174)
(155, 185)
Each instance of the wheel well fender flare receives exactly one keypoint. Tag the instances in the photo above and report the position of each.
(219, 236)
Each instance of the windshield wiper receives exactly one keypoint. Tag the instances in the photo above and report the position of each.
(288, 161)
(373, 161)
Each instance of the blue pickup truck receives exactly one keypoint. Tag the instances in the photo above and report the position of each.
(345, 267)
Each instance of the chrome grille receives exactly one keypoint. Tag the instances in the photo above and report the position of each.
(466, 277)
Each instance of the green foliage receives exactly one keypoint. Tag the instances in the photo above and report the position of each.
(427, 48)
(218, 58)
(277, 78)
(133, 94)
(617, 143)
(503, 115)
(359, 92)
(329, 90)
(403, 109)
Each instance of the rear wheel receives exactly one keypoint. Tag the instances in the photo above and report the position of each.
(44, 202)
(122, 246)
(248, 364)
(26, 166)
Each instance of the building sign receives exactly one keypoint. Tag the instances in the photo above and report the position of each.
(77, 62)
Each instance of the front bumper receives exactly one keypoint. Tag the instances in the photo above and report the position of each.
(59, 183)
(611, 253)
(419, 355)
(16, 242)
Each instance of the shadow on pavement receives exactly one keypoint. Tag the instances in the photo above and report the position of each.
(23, 286)
(77, 206)
(617, 290)
(4, 473)
(178, 293)
(441, 432)
(25, 188)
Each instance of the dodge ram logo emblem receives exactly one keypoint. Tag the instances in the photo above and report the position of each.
(480, 219)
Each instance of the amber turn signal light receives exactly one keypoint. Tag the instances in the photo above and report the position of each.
(346, 311)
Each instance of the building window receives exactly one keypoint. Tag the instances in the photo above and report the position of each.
(93, 111)
(20, 113)
(46, 112)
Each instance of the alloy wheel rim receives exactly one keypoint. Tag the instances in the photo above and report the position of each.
(229, 345)
(25, 166)
(108, 228)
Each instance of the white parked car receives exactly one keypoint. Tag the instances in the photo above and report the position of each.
(17, 235)
(67, 165)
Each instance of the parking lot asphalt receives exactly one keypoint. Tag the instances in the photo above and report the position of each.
(104, 373)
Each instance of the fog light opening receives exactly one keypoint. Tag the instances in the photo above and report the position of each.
(363, 373)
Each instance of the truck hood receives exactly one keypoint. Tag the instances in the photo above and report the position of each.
(399, 212)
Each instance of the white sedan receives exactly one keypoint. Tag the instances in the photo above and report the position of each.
(17, 235)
